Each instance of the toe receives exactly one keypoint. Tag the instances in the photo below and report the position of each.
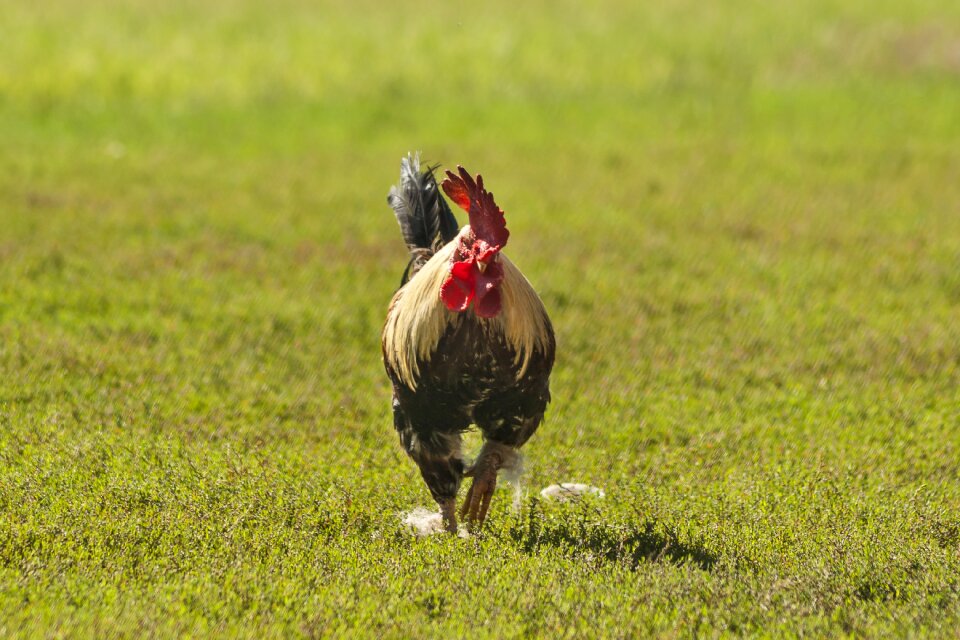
(465, 507)
(477, 503)
(485, 505)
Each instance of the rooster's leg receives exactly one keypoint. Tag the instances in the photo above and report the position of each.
(493, 456)
(442, 473)
(441, 468)
(448, 510)
(437, 454)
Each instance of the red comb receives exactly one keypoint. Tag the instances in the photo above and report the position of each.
(486, 218)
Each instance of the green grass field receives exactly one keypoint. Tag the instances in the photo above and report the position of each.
(744, 218)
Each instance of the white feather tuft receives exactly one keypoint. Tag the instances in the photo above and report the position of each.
(571, 491)
(423, 522)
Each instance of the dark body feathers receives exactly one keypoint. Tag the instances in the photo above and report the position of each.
(470, 379)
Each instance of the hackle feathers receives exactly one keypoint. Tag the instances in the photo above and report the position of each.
(418, 318)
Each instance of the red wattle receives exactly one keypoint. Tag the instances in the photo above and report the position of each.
(459, 289)
(487, 290)
(488, 304)
(467, 283)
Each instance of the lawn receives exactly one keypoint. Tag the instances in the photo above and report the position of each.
(743, 217)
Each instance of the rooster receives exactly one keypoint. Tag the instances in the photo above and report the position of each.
(467, 340)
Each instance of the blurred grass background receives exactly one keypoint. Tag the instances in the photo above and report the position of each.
(744, 219)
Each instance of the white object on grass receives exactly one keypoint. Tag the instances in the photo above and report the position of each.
(570, 491)
(424, 522)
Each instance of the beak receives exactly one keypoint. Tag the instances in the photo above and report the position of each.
(482, 266)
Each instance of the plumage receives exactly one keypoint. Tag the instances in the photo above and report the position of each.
(425, 219)
(466, 341)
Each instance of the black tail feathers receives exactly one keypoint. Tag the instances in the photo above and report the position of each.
(424, 216)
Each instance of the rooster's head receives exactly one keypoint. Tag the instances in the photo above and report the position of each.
(476, 272)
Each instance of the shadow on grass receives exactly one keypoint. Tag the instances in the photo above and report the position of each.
(587, 535)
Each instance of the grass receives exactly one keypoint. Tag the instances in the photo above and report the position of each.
(743, 217)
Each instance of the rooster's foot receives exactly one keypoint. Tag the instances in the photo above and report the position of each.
(477, 502)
